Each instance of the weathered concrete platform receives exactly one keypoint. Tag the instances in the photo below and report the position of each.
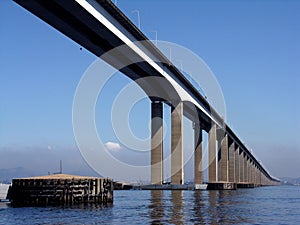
(122, 186)
(247, 185)
(205, 186)
(60, 189)
(222, 186)
(208, 186)
(3, 191)
(168, 187)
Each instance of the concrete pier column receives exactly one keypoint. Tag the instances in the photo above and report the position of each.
(260, 178)
(231, 165)
(245, 168)
(257, 175)
(241, 165)
(223, 158)
(176, 144)
(198, 154)
(156, 142)
(212, 158)
(250, 170)
(254, 173)
(237, 165)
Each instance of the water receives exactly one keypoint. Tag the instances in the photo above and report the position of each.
(267, 205)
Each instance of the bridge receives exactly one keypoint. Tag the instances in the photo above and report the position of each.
(99, 26)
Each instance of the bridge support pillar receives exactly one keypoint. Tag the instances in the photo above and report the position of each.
(260, 178)
(212, 158)
(237, 164)
(156, 142)
(223, 159)
(241, 156)
(198, 154)
(231, 165)
(254, 173)
(176, 144)
(257, 176)
(245, 168)
(249, 170)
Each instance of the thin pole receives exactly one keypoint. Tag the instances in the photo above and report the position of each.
(181, 67)
(138, 16)
(155, 31)
(60, 165)
(170, 55)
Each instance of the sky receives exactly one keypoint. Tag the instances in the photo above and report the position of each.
(252, 47)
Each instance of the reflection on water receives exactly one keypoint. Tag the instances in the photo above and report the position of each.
(156, 206)
(177, 216)
(167, 207)
(198, 206)
(209, 207)
(268, 205)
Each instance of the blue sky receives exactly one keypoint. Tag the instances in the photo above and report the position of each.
(253, 48)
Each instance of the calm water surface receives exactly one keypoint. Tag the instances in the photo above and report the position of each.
(267, 205)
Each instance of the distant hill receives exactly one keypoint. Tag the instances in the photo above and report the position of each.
(290, 180)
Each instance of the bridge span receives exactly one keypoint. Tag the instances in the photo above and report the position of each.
(99, 26)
